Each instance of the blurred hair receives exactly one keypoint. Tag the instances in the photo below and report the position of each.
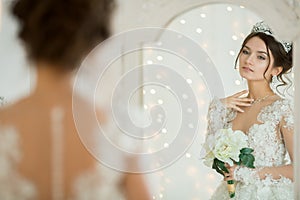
(62, 32)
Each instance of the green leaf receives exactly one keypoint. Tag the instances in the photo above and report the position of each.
(219, 166)
(247, 160)
(246, 151)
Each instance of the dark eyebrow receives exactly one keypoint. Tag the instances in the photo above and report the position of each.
(257, 51)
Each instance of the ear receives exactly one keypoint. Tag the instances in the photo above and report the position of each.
(276, 70)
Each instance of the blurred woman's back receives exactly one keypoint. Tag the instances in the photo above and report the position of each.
(41, 154)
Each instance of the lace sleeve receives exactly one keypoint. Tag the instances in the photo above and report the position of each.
(246, 175)
(218, 116)
(287, 109)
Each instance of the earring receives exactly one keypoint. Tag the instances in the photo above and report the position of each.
(274, 80)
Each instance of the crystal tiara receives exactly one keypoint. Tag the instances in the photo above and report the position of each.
(264, 28)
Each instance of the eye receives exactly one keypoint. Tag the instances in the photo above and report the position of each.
(244, 51)
(261, 57)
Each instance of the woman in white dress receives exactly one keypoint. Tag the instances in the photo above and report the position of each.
(266, 119)
(41, 154)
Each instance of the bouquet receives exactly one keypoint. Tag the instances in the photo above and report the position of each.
(227, 146)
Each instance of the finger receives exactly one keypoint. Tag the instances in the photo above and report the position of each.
(243, 104)
(237, 108)
(244, 99)
(240, 93)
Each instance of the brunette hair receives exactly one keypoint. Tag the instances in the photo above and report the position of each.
(62, 32)
(281, 57)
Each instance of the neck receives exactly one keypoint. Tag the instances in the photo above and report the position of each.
(259, 89)
(51, 80)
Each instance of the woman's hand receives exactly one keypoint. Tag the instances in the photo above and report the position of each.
(235, 101)
(230, 175)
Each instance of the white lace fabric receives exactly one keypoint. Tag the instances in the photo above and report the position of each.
(269, 150)
(12, 185)
(97, 183)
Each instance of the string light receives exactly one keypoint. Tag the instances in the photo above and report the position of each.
(189, 81)
(166, 145)
(237, 82)
(149, 62)
(152, 91)
(231, 52)
(234, 37)
(199, 30)
(182, 21)
(229, 8)
(203, 15)
(164, 130)
(160, 58)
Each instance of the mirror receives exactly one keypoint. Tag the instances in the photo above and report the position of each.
(219, 29)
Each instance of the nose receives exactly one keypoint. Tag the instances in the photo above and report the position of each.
(249, 59)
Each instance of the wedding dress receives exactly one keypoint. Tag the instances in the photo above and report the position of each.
(97, 183)
(269, 150)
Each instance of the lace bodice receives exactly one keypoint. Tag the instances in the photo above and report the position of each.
(97, 183)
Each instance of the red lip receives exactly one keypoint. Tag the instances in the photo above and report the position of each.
(247, 69)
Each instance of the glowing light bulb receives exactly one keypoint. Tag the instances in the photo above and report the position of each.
(234, 37)
(199, 30)
(166, 145)
(189, 81)
(152, 91)
(231, 52)
(182, 21)
(149, 62)
(160, 101)
(237, 82)
(203, 15)
(160, 58)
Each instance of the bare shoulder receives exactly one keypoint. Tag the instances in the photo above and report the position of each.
(12, 112)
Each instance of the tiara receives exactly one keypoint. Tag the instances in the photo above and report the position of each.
(264, 28)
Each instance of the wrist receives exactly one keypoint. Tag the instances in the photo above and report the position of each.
(262, 173)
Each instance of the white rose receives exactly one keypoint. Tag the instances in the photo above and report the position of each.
(228, 144)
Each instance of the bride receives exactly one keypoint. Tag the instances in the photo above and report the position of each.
(266, 119)
(41, 154)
